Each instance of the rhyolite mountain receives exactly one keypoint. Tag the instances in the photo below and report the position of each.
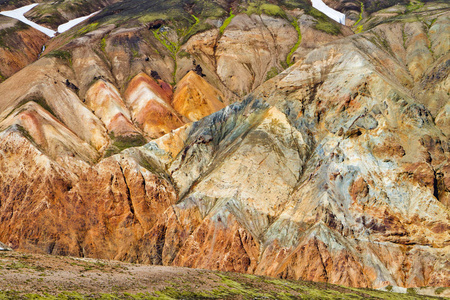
(248, 136)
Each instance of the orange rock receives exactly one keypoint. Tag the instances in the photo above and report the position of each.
(195, 98)
(150, 106)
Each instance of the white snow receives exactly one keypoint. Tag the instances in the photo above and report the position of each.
(333, 14)
(74, 22)
(18, 14)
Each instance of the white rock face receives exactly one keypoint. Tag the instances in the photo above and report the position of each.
(333, 14)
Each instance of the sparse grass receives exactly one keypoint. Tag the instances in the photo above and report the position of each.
(272, 73)
(8, 36)
(124, 142)
(173, 46)
(61, 54)
(184, 54)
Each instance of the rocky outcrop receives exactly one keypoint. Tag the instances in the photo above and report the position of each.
(335, 170)
(20, 45)
(3, 247)
(195, 98)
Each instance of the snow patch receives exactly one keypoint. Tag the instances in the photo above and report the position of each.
(333, 14)
(18, 14)
(74, 22)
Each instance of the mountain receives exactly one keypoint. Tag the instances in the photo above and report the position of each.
(254, 137)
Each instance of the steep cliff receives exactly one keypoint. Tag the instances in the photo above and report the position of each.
(240, 137)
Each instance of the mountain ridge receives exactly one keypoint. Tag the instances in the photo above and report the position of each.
(130, 144)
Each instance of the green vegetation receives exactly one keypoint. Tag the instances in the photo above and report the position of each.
(103, 44)
(53, 13)
(38, 99)
(381, 42)
(440, 290)
(184, 54)
(61, 54)
(360, 27)
(426, 15)
(8, 37)
(377, 5)
(269, 9)
(273, 10)
(272, 73)
(297, 44)
(174, 13)
(226, 22)
(324, 23)
(120, 143)
(413, 5)
(88, 28)
(173, 46)
(197, 284)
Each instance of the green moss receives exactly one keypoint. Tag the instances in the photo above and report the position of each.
(173, 47)
(61, 54)
(360, 27)
(253, 9)
(269, 9)
(103, 45)
(226, 22)
(273, 10)
(87, 28)
(297, 44)
(124, 142)
(210, 9)
(328, 27)
(272, 73)
(413, 5)
(323, 23)
(53, 13)
(440, 290)
(184, 54)
(9, 38)
(150, 17)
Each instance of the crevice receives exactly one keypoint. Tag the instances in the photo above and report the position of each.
(227, 151)
(321, 259)
(216, 42)
(128, 192)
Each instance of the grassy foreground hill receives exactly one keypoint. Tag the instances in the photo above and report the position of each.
(31, 276)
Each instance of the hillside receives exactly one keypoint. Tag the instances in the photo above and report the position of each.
(242, 136)
(28, 276)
